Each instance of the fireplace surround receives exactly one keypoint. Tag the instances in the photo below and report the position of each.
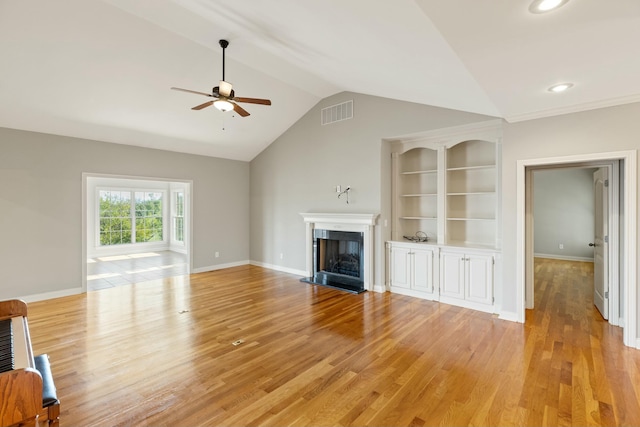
(339, 250)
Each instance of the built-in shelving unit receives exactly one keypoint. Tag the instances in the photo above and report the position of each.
(446, 184)
(447, 188)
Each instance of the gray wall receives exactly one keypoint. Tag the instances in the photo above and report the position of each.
(596, 131)
(299, 171)
(563, 213)
(41, 205)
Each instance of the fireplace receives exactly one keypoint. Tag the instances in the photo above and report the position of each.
(338, 259)
(340, 250)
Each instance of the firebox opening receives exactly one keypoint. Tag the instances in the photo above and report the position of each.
(338, 260)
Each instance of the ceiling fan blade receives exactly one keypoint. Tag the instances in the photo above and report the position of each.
(238, 109)
(253, 100)
(225, 88)
(192, 91)
(201, 106)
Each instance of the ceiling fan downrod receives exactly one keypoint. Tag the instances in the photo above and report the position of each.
(223, 44)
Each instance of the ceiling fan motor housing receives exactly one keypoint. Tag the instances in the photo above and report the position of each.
(216, 92)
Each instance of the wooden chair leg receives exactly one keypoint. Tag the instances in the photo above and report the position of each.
(53, 413)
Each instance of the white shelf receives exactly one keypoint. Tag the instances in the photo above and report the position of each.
(471, 168)
(418, 172)
(419, 195)
(429, 218)
(470, 219)
(474, 193)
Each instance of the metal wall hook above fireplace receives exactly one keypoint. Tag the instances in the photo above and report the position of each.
(346, 191)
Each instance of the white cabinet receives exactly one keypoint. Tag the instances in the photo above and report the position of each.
(466, 278)
(456, 276)
(411, 269)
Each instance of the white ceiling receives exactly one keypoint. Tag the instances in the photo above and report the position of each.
(102, 69)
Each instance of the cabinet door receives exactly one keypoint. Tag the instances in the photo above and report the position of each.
(422, 270)
(400, 267)
(452, 274)
(479, 278)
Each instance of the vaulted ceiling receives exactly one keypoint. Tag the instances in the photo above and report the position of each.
(102, 69)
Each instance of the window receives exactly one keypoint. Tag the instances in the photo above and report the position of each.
(178, 216)
(130, 216)
(148, 216)
(115, 217)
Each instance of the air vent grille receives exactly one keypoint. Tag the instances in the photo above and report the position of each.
(337, 113)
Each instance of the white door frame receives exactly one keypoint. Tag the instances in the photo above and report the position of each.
(629, 245)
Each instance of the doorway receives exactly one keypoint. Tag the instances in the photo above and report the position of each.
(628, 226)
(570, 206)
(134, 230)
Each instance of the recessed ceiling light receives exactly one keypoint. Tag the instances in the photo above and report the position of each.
(560, 87)
(542, 6)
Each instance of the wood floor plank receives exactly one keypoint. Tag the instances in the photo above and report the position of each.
(160, 354)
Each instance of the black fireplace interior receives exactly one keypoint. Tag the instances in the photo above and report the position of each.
(338, 260)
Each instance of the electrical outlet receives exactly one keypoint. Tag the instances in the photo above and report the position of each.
(561, 246)
(281, 255)
(217, 254)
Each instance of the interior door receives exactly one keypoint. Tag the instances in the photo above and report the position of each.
(600, 244)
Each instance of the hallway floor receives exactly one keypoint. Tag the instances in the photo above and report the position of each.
(118, 270)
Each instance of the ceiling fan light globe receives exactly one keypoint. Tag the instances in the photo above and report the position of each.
(223, 105)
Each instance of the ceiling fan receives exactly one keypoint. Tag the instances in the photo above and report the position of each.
(225, 96)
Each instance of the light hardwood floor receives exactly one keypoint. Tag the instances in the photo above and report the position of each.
(162, 355)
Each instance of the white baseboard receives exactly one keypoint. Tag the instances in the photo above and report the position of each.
(413, 293)
(51, 295)
(279, 268)
(563, 257)
(219, 266)
(379, 288)
(508, 315)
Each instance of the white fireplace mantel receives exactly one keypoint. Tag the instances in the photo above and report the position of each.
(364, 223)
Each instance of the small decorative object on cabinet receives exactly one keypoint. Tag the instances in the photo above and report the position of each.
(446, 186)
